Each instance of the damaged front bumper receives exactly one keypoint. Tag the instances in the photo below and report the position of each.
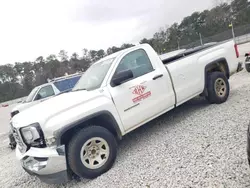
(48, 164)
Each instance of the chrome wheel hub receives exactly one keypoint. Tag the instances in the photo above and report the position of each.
(94, 153)
(220, 87)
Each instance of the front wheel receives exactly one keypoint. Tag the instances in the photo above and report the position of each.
(218, 88)
(247, 66)
(12, 141)
(92, 152)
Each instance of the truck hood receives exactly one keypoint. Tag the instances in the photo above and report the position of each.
(23, 106)
(44, 110)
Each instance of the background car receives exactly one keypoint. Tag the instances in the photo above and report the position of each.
(45, 91)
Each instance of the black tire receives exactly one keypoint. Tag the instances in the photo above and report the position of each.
(12, 141)
(212, 95)
(78, 141)
(247, 66)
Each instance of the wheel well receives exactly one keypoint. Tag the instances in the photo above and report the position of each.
(219, 65)
(103, 120)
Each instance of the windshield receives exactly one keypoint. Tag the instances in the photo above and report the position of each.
(31, 95)
(94, 76)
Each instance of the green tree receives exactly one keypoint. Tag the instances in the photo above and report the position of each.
(63, 55)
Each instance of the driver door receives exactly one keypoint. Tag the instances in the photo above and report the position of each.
(144, 96)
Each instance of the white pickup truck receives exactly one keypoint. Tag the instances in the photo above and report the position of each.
(77, 132)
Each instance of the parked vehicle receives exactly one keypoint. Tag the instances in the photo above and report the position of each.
(44, 92)
(247, 62)
(77, 132)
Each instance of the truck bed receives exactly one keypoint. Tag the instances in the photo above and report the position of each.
(185, 53)
(186, 69)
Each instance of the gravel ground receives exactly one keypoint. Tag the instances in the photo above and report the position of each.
(195, 145)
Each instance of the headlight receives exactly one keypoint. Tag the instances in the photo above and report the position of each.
(33, 136)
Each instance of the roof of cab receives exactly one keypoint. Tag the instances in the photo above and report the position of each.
(116, 54)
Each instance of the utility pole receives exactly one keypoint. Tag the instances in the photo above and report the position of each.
(232, 26)
(199, 31)
(178, 43)
(200, 39)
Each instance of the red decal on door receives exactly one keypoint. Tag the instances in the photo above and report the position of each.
(140, 91)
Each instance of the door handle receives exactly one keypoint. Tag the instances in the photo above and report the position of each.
(158, 76)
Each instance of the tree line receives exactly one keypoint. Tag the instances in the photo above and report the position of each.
(18, 79)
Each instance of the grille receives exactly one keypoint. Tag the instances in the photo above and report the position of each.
(21, 146)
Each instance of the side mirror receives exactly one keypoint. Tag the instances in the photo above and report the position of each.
(121, 77)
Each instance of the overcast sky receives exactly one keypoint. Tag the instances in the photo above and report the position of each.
(30, 28)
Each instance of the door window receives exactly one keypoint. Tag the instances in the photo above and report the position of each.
(136, 61)
(45, 92)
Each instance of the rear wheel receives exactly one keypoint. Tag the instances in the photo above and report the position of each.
(247, 66)
(218, 88)
(92, 152)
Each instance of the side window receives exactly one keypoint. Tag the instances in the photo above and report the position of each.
(45, 92)
(69, 83)
(137, 61)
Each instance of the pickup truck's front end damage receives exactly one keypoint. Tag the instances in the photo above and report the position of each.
(47, 164)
